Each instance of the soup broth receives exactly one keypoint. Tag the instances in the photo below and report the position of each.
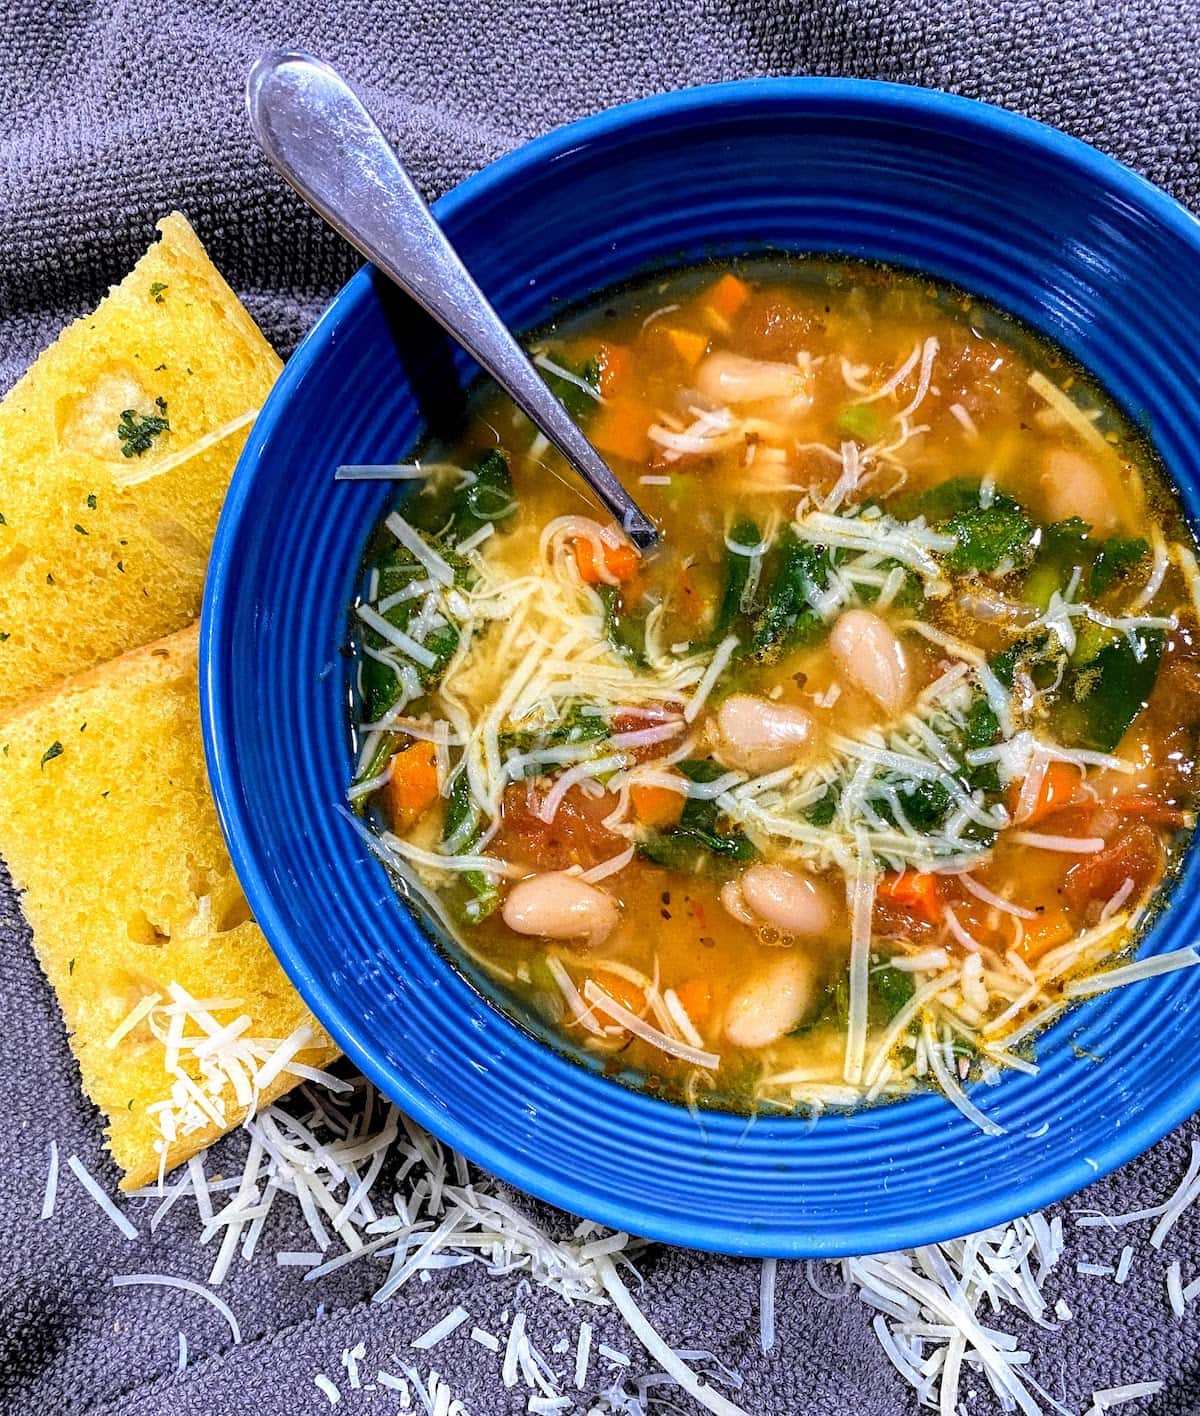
(865, 775)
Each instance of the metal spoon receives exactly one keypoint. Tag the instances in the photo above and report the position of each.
(318, 134)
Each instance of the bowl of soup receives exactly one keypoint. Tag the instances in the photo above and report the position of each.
(820, 884)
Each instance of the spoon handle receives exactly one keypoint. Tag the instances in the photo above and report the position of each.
(318, 134)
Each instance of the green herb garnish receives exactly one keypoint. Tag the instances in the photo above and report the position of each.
(54, 750)
(137, 431)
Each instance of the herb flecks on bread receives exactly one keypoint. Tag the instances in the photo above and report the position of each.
(116, 448)
(108, 826)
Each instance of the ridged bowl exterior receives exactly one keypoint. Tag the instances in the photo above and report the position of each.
(1059, 235)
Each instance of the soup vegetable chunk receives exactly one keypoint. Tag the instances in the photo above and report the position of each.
(869, 772)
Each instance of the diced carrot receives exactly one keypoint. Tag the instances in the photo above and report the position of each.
(620, 561)
(1049, 930)
(616, 363)
(727, 296)
(690, 346)
(621, 990)
(914, 891)
(413, 786)
(656, 806)
(620, 428)
(1148, 808)
(697, 998)
(1059, 788)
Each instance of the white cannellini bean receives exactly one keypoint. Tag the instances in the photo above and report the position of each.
(557, 905)
(734, 901)
(1073, 485)
(791, 901)
(772, 1002)
(757, 735)
(868, 653)
(732, 378)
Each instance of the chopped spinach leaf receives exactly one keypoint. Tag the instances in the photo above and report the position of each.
(461, 826)
(577, 401)
(489, 498)
(890, 989)
(699, 836)
(626, 632)
(822, 811)
(787, 617)
(989, 537)
(925, 804)
(1107, 689)
(1117, 557)
(575, 726)
(980, 730)
(940, 502)
(743, 532)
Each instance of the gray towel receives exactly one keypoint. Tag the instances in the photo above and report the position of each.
(111, 115)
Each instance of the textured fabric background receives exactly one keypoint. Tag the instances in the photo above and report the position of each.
(113, 113)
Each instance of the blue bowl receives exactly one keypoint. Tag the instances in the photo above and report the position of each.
(1073, 243)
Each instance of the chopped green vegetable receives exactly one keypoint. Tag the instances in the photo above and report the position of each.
(860, 421)
(461, 826)
(137, 431)
(890, 990)
(924, 804)
(699, 835)
(822, 811)
(380, 685)
(743, 532)
(1118, 556)
(981, 729)
(940, 502)
(489, 498)
(461, 812)
(989, 537)
(156, 289)
(81, 529)
(54, 750)
(91, 501)
(1033, 654)
(626, 633)
(577, 401)
(787, 617)
(1109, 687)
(575, 726)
